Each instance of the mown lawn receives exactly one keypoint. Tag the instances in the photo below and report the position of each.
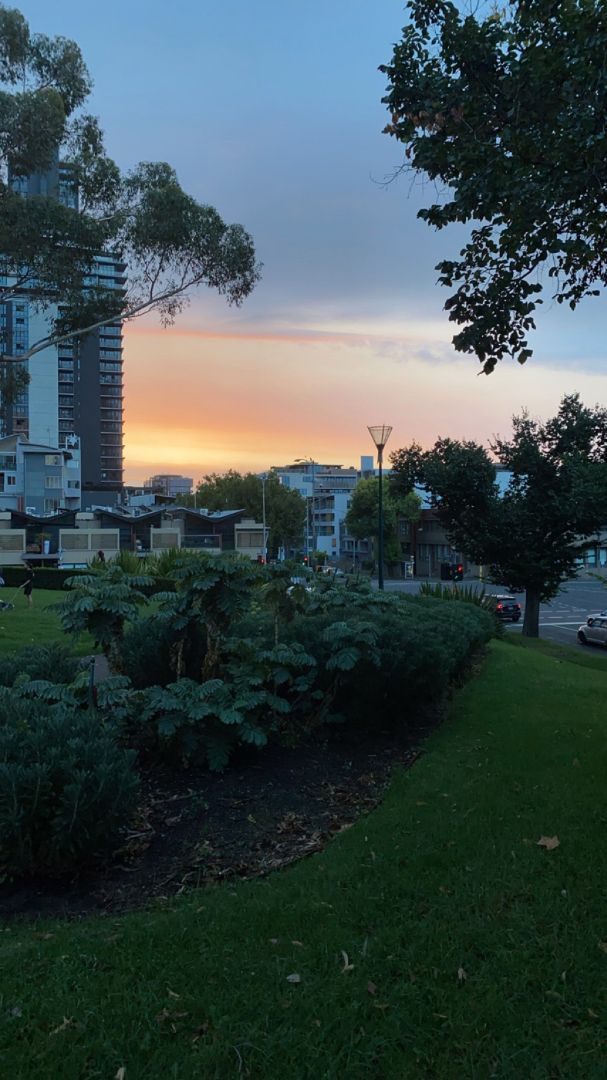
(37, 625)
(434, 939)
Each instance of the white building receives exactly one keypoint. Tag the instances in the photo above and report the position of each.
(39, 479)
(327, 490)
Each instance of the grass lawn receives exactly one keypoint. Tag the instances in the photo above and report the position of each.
(37, 625)
(434, 939)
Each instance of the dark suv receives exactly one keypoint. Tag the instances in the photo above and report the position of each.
(507, 607)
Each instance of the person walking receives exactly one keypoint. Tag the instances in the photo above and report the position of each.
(28, 585)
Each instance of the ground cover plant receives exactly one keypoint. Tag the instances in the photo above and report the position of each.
(457, 931)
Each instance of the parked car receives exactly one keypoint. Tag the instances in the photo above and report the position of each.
(507, 607)
(594, 630)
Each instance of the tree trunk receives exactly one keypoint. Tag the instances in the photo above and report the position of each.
(531, 621)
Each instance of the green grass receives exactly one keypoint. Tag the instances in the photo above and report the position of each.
(471, 951)
(37, 625)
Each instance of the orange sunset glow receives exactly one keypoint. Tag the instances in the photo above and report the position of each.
(199, 401)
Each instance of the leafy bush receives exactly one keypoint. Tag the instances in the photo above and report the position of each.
(51, 662)
(102, 602)
(147, 651)
(417, 647)
(193, 722)
(66, 788)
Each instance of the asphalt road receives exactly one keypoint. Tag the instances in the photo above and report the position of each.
(559, 620)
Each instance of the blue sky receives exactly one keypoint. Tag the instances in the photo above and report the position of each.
(271, 111)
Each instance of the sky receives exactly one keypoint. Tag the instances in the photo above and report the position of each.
(270, 110)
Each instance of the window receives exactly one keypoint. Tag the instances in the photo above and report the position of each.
(50, 505)
(52, 459)
(11, 481)
(52, 481)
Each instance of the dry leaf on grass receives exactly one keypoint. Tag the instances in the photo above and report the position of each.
(347, 965)
(461, 975)
(120, 1075)
(371, 988)
(549, 842)
(603, 946)
(294, 978)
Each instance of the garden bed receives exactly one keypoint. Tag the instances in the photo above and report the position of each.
(193, 827)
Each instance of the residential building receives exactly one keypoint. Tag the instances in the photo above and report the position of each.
(39, 479)
(75, 388)
(327, 490)
(170, 484)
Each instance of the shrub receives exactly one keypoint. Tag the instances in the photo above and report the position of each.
(192, 722)
(51, 662)
(66, 788)
(47, 577)
(147, 652)
(417, 648)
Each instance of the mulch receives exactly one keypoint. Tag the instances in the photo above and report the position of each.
(193, 828)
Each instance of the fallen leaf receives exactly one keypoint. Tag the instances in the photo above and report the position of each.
(172, 993)
(603, 946)
(461, 974)
(592, 1014)
(347, 965)
(549, 842)
(299, 943)
(294, 978)
(371, 988)
(273, 941)
(66, 1024)
(120, 1075)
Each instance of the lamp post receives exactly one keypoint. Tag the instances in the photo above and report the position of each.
(380, 434)
(310, 507)
(263, 479)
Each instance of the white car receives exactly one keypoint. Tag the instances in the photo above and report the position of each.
(594, 630)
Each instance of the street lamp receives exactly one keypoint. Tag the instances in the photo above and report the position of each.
(380, 435)
(310, 507)
(263, 479)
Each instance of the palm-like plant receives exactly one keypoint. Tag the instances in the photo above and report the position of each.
(102, 602)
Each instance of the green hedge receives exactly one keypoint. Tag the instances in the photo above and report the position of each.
(50, 577)
(47, 577)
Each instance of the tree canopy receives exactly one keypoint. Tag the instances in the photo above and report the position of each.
(362, 518)
(504, 110)
(169, 242)
(285, 508)
(529, 537)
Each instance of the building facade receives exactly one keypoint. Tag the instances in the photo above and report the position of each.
(38, 479)
(170, 484)
(75, 388)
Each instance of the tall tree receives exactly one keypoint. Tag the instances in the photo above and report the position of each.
(285, 509)
(531, 535)
(170, 243)
(504, 110)
(362, 518)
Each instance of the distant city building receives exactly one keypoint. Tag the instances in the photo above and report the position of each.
(170, 484)
(75, 388)
(39, 479)
(327, 490)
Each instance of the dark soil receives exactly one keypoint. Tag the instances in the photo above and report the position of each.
(194, 827)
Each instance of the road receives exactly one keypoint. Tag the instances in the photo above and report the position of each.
(559, 620)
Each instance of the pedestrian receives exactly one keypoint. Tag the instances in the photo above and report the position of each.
(101, 555)
(28, 585)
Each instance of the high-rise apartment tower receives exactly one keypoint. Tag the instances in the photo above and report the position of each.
(75, 388)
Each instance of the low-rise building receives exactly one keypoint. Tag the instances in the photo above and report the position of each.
(39, 479)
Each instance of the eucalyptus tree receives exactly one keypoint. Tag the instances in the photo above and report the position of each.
(171, 244)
